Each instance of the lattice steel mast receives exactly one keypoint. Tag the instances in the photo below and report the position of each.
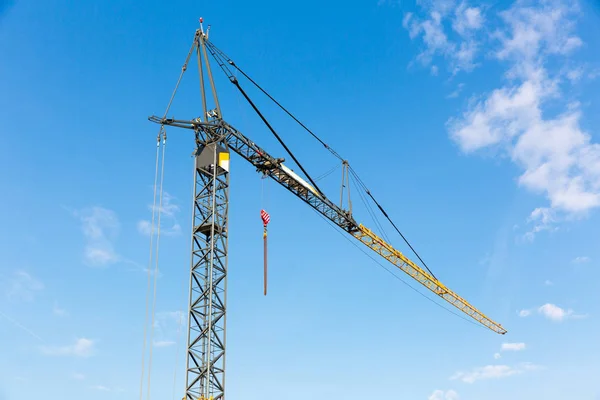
(205, 361)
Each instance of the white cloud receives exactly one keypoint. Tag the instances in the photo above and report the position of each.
(168, 212)
(493, 372)
(556, 156)
(78, 376)
(443, 395)
(458, 46)
(168, 326)
(524, 313)
(513, 346)
(17, 324)
(457, 91)
(58, 311)
(21, 286)
(548, 282)
(542, 219)
(81, 348)
(540, 30)
(168, 318)
(581, 260)
(163, 343)
(100, 227)
(467, 19)
(497, 356)
(101, 388)
(553, 313)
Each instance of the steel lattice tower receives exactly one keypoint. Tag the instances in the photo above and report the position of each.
(207, 309)
(205, 358)
(205, 364)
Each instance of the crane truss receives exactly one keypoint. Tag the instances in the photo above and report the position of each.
(205, 363)
(263, 161)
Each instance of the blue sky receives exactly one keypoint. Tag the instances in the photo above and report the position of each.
(473, 124)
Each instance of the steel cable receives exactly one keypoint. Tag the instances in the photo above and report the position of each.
(150, 264)
(229, 61)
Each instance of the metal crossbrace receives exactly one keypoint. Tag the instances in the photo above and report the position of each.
(208, 283)
(266, 163)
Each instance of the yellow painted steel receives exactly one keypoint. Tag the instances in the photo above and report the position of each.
(394, 256)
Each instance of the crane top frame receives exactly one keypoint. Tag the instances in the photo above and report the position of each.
(277, 171)
(213, 135)
(212, 121)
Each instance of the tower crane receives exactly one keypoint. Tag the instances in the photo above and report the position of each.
(215, 138)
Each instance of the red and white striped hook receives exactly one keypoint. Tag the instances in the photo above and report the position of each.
(265, 219)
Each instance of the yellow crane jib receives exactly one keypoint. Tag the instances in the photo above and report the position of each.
(378, 245)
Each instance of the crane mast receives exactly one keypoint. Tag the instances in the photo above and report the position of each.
(205, 360)
(214, 138)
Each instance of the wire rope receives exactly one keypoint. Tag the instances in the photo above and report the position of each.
(150, 264)
(393, 274)
(224, 59)
(161, 191)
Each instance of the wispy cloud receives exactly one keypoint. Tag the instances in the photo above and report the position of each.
(513, 346)
(81, 348)
(58, 311)
(524, 313)
(497, 356)
(443, 395)
(78, 376)
(493, 372)
(548, 282)
(168, 216)
(457, 91)
(20, 326)
(104, 388)
(100, 228)
(556, 155)
(168, 326)
(459, 46)
(163, 343)
(21, 286)
(552, 312)
(581, 260)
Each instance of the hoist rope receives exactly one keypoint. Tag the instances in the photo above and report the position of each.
(390, 220)
(183, 69)
(236, 83)
(265, 261)
(161, 191)
(370, 210)
(327, 173)
(233, 64)
(150, 264)
(391, 272)
(217, 53)
(162, 134)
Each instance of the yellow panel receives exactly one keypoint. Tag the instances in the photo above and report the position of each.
(224, 161)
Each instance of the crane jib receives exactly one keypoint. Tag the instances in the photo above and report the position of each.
(274, 168)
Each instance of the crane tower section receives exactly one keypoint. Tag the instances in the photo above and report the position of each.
(206, 318)
(205, 361)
